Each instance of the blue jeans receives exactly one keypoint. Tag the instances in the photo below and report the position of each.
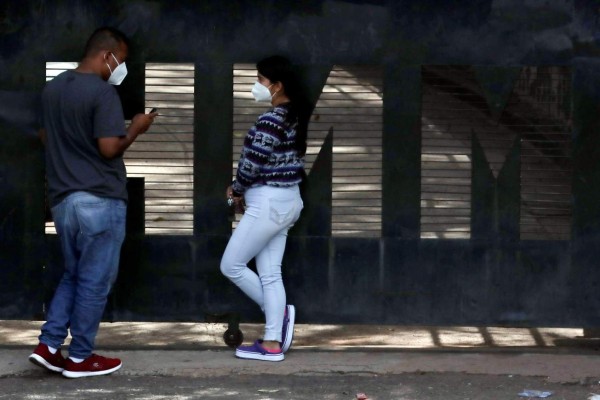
(91, 231)
(262, 234)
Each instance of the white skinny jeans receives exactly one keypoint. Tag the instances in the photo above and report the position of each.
(262, 234)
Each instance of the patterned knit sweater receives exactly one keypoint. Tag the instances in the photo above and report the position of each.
(268, 156)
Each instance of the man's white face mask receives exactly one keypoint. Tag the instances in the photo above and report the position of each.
(117, 76)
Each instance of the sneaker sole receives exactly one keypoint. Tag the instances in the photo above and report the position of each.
(41, 362)
(289, 336)
(258, 356)
(83, 374)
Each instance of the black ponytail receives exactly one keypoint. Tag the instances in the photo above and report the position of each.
(279, 69)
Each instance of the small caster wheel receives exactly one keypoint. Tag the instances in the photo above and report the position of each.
(233, 337)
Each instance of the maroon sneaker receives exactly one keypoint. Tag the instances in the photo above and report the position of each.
(92, 366)
(42, 357)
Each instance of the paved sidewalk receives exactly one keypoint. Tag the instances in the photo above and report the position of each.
(198, 349)
(324, 356)
(189, 335)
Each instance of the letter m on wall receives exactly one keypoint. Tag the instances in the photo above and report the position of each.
(496, 152)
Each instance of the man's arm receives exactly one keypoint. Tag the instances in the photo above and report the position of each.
(111, 147)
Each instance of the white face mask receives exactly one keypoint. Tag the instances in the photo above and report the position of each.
(260, 92)
(117, 76)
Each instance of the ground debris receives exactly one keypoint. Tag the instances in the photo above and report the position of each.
(535, 393)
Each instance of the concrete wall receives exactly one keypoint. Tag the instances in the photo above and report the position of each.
(397, 278)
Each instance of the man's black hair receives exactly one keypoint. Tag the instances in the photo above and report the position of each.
(105, 38)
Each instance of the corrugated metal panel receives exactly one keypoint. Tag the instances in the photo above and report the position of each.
(351, 103)
(164, 156)
(537, 111)
(55, 68)
(447, 119)
(541, 106)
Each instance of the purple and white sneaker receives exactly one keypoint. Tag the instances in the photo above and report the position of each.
(287, 333)
(258, 352)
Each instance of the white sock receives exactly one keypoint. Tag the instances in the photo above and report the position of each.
(76, 360)
(52, 349)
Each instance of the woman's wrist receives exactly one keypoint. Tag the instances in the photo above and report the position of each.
(234, 192)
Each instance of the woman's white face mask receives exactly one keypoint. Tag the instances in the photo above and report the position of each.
(260, 92)
(117, 76)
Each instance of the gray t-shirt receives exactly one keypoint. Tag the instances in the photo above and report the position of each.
(79, 108)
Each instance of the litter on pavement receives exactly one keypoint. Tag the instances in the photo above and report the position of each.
(535, 393)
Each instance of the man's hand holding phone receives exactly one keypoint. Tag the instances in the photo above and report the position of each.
(141, 122)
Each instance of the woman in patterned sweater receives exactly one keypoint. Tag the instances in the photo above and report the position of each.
(270, 168)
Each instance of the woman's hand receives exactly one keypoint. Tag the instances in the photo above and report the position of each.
(229, 192)
(238, 201)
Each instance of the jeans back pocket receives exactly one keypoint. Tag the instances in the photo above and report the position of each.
(94, 217)
(281, 211)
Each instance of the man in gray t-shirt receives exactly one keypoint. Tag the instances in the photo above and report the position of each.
(85, 136)
(82, 108)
